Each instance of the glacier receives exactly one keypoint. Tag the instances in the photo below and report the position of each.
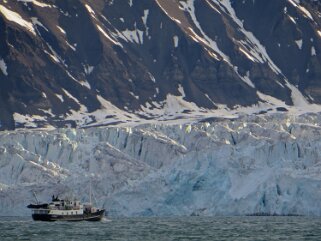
(247, 165)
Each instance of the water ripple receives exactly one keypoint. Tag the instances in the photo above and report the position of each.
(165, 229)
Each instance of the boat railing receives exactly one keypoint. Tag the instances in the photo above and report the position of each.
(65, 207)
(40, 211)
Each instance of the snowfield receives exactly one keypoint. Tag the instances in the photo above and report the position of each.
(252, 164)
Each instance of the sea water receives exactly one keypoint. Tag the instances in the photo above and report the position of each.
(184, 228)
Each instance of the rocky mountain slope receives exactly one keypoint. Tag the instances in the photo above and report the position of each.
(80, 63)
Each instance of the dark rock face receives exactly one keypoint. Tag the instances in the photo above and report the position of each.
(62, 57)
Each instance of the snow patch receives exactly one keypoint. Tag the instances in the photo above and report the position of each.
(256, 49)
(37, 3)
(3, 67)
(88, 69)
(247, 55)
(70, 96)
(60, 97)
(71, 46)
(27, 120)
(85, 83)
(16, 18)
(144, 18)
(152, 78)
(299, 43)
(313, 51)
(181, 90)
(134, 36)
(90, 10)
(305, 12)
(61, 30)
(35, 21)
(292, 19)
(171, 17)
(107, 36)
(175, 39)
(53, 55)
(135, 96)
(188, 6)
(247, 80)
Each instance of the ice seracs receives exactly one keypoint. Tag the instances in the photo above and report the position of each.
(251, 164)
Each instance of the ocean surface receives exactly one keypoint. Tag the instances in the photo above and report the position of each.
(145, 229)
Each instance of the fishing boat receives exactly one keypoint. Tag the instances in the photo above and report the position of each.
(65, 210)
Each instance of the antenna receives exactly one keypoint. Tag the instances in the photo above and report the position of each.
(94, 198)
(35, 196)
(90, 191)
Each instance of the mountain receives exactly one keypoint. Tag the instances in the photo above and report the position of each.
(189, 107)
(84, 63)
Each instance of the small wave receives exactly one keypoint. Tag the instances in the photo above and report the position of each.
(105, 220)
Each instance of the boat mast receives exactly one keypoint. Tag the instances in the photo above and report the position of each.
(90, 192)
(35, 196)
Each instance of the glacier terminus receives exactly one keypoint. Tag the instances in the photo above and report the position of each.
(248, 165)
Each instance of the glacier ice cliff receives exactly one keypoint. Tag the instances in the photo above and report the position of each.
(252, 164)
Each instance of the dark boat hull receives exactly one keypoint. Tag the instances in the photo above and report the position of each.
(97, 216)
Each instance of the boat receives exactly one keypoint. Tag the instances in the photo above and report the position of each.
(65, 210)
